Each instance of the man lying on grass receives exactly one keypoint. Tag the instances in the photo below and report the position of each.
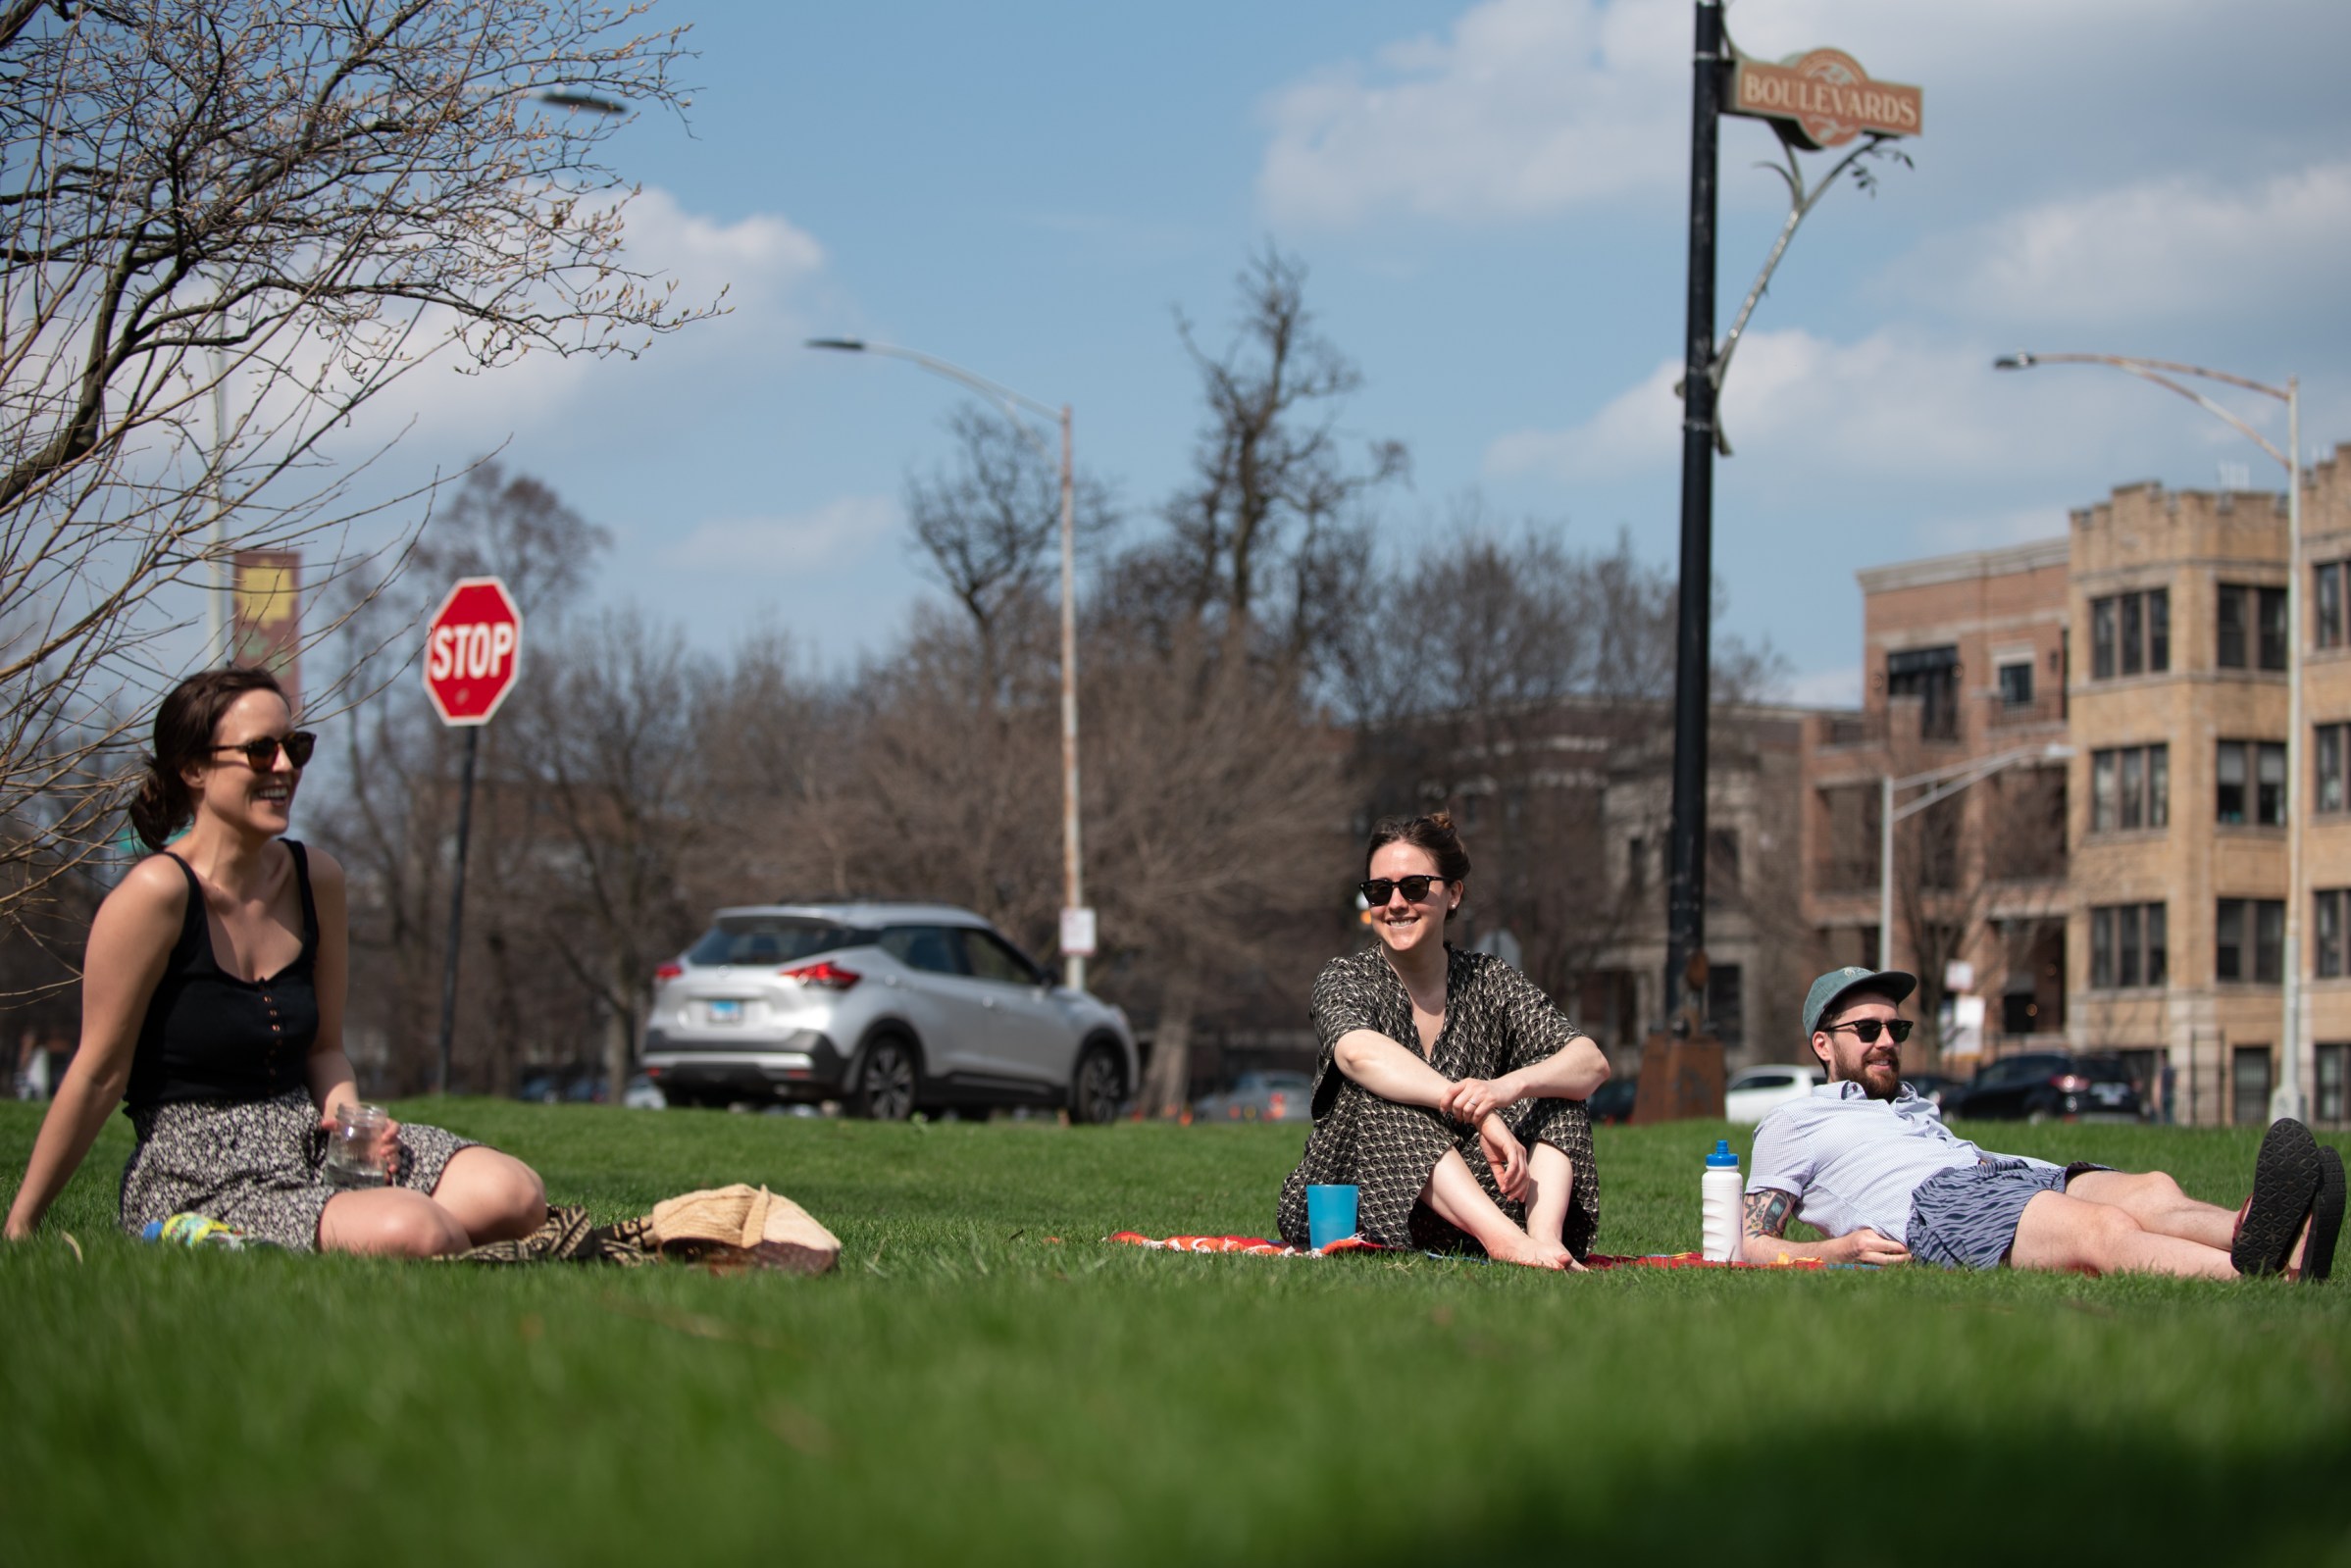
(1871, 1166)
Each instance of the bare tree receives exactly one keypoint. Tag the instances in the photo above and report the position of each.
(988, 529)
(607, 736)
(1268, 536)
(1218, 835)
(223, 230)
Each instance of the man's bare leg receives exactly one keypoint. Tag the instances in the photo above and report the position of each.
(1458, 1201)
(2156, 1202)
(2062, 1232)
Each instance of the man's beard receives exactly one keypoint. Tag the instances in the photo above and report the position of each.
(1880, 1078)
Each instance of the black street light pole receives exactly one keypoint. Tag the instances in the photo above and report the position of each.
(1685, 843)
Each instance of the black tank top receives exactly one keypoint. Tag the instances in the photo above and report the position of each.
(209, 1035)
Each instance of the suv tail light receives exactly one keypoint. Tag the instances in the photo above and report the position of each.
(2069, 1084)
(668, 972)
(823, 973)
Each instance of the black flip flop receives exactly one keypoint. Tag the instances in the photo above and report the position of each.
(2285, 1181)
(2326, 1217)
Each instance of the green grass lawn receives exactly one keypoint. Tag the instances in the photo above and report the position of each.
(983, 1380)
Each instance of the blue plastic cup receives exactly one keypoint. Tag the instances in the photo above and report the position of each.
(1330, 1214)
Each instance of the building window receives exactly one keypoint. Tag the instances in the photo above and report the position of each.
(1725, 1009)
(2327, 591)
(1721, 865)
(2334, 1066)
(2128, 949)
(2249, 941)
(2249, 1085)
(2130, 786)
(2015, 684)
(2331, 742)
(2130, 633)
(1636, 864)
(2252, 628)
(1931, 675)
(2328, 906)
(2249, 782)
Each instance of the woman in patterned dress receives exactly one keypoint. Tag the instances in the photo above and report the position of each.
(212, 1001)
(1450, 1088)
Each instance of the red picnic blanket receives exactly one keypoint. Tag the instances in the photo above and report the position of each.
(1258, 1247)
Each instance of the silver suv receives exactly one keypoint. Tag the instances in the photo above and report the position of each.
(884, 1007)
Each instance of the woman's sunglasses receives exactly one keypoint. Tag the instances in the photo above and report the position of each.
(1416, 888)
(1866, 1030)
(261, 754)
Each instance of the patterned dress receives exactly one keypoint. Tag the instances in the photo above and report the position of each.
(1496, 1022)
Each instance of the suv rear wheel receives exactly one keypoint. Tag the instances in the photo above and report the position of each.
(884, 1087)
(1098, 1086)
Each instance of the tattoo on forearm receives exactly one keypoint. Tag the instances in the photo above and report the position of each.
(1767, 1212)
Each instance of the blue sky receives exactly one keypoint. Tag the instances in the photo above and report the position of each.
(1491, 198)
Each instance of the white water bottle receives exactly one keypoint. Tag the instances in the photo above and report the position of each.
(1718, 1203)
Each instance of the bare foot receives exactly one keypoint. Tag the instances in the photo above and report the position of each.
(1533, 1254)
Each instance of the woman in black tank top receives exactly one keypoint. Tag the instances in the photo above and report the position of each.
(212, 1011)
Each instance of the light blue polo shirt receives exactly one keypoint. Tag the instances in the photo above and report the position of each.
(1850, 1161)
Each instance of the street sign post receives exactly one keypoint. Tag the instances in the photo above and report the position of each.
(473, 648)
(1821, 99)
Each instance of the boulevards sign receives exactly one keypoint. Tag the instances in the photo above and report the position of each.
(1823, 99)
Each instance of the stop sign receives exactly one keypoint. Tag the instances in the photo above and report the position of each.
(471, 649)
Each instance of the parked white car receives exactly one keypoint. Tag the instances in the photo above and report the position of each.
(1753, 1091)
(887, 1008)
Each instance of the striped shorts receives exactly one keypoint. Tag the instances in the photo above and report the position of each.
(1966, 1218)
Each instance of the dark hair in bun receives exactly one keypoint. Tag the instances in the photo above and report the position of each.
(183, 730)
(1433, 833)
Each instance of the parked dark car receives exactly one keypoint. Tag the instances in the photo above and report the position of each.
(2039, 1086)
(1612, 1101)
(1942, 1088)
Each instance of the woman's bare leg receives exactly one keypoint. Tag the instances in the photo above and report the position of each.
(1554, 1176)
(1458, 1201)
(494, 1197)
(390, 1222)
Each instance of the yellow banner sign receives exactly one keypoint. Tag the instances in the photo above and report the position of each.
(1824, 99)
(268, 626)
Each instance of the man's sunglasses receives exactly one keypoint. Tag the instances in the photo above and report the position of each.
(1416, 888)
(1865, 1029)
(261, 754)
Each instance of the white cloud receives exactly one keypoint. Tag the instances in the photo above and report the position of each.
(1890, 402)
(1527, 106)
(1536, 106)
(2154, 249)
(838, 532)
(1897, 405)
(762, 262)
(1840, 687)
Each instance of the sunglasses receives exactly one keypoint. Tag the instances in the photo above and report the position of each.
(1416, 888)
(261, 753)
(1866, 1030)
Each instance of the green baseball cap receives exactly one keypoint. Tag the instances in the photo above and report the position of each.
(1830, 989)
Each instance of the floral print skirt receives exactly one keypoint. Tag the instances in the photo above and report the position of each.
(254, 1164)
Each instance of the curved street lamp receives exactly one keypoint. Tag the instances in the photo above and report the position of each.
(2286, 1099)
(1016, 408)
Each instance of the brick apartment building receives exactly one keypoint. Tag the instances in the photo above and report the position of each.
(2130, 897)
